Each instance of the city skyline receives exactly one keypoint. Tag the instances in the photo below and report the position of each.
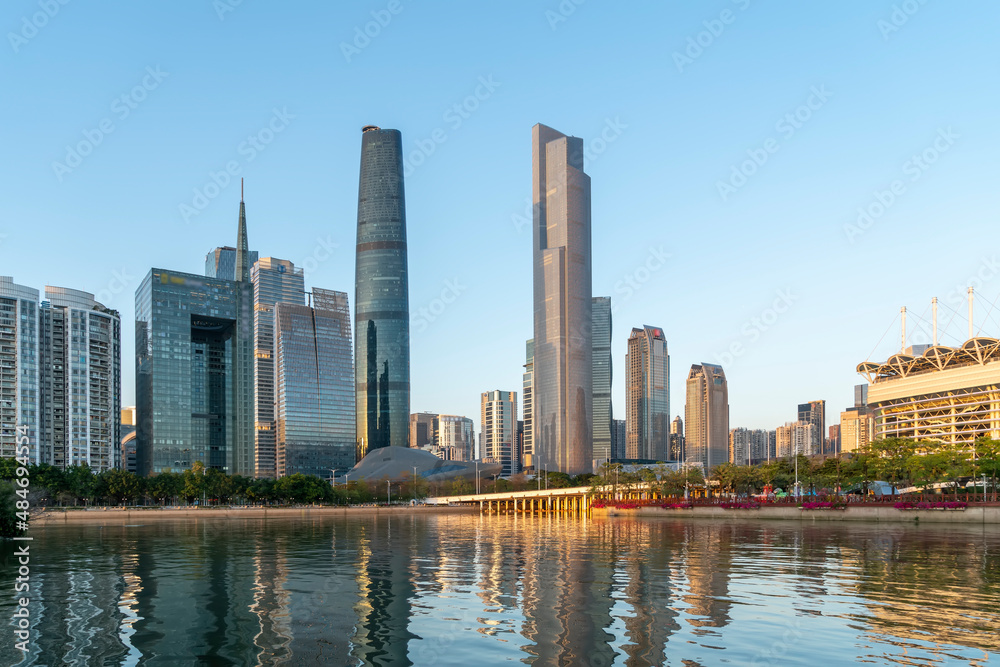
(868, 128)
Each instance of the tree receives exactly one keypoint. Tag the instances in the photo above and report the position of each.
(893, 456)
(988, 461)
(194, 482)
(80, 483)
(121, 486)
(461, 486)
(8, 509)
(165, 486)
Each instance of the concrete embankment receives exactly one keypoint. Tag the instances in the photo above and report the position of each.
(888, 513)
(127, 515)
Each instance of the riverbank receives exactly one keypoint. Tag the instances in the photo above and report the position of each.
(127, 515)
(871, 513)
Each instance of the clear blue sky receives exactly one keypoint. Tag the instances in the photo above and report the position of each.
(677, 128)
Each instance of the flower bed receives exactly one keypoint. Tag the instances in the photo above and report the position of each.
(739, 505)
(603, 504)
(945, 505)
(822, 505)
(598, 504)
(627, 506)
(677, 506)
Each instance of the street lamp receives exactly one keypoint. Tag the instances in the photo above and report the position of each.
(477, 477)
(333, 476)
(414, 484)
(388, 492)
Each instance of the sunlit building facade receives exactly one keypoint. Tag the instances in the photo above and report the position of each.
(19, 359)
(454, 437)
(221, 262)
(527, 409)
(601, 341)
(381, 301)
(314, 385)
(647, 395)
(499, 425)
(706, 417)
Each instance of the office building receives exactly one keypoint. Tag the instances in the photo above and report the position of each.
(499, 425)
(194, 373)
(454, 437)
(381, 301)
(647, 395)
(602, 375)
(562, 398)
(814, 413)
(860, 395)
(620, 438)
(677, 439)
(221, 262)
(706, 417)
(314, 385)
(421, 429)
(274, 281)
(527, 452)
(833, 440)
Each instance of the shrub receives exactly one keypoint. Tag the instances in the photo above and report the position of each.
(740, 505)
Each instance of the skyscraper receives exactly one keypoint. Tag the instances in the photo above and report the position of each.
(814, 412)
(19, 360)
(499, 424)
(562, 398)
(314, 385)
(527, 444)
(381, 297)
(454, 437)
(221, 262)
(647, 395)
(193, 373)
(706, 416)
(601, 337)
(618, 431)
(677, 439)
(421, 429)
(274, 281)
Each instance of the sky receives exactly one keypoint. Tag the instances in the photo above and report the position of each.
(771, 181)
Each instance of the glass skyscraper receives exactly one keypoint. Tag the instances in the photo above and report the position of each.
(601, 337)
(562, 389)
(314, 386)
(194, 373)
(221, 262)
(274, 281)
(647, 396)
(381, 297)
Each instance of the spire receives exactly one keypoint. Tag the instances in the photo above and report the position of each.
(242, 273)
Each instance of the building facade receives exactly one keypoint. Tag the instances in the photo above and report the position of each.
(454, 437)
(814, 412)
(602, 375)
(796, 438)
(677, 439)
(194, 373)
(381, 297)
(620, 438)
(750, 446)
(562, 392)
(19, 369)
(647, 395)
(527, 445)
(274, 281)
(221, 262)
(706, 417)
(314, 382)
(499, 426)
(421, 429)
(857, 429)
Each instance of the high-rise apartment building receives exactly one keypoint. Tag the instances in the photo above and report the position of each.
(677, 439)
(706, 416)
(19, 369)
(381, 297)
(499, 425)
(749, 446)
(194, 373)
(814, 413)
(274, 281)
(857, 428)
(454, 437)
(527, 443)
(314, 385)
(421, 429)
(795, 438)
(221, 262)
(80, 371)
(602, 375)
(647, 395)
(562, 392)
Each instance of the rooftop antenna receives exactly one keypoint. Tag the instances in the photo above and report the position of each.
(241, 189)
(970, 313)
(902, 312)
(934, 310)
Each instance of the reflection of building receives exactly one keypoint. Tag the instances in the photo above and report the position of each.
(527, 450)
(706, 416)
(314, 385)
(421, 429)
(601, 358)
(562, 399)
(80, 381)
(382, 320)
(274, 281)
(814, 412)
(499, 424)
(647, 395)
(194, 373)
